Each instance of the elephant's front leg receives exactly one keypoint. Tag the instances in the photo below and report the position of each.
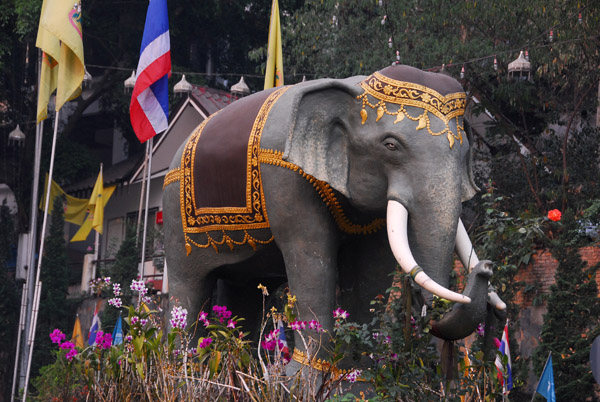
(309, 240)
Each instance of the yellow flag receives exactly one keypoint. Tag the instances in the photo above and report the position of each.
(88, 224)
(75, 208)
(62, 18)
(77, 337)
(274, 70)
(50, 46)
(96, 204)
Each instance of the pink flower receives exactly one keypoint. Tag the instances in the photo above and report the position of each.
(71, 354)
(231, 324)
(554, 215)
(298, 325)
(353, 375)
(315, 326)
(497, 342)
(57, 336)
(339, 313)
(205, 343)
(67, 345)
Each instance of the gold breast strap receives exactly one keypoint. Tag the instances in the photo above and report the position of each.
(320, 365)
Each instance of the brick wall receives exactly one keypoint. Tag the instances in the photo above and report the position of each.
(540, 274)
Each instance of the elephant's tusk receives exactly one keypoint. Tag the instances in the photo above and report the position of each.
(464, 247)
(468, 257)
(397, 222)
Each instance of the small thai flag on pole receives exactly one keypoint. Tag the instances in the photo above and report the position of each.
(94, 328)
(149, 108)
(504, 349)
(283, 345)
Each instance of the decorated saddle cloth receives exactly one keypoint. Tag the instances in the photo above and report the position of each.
(220, 179)
(220, 174)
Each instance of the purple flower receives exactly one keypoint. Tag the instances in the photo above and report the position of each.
(353, 375)
(139, 286)
(116, 302)
(222, 313)
(117, 289)
(143, 321)
(205, 342)
(134, 319)
(67, 345)
(57, 336)
(298, 325)
(339, 313)
(315, 326)
(480, 329)
(103, 340)
(71, 354)
(231, 324)
(128, 338)
(178, 317)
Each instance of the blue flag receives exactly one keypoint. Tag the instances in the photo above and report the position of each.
(117, 334)
(546, 385)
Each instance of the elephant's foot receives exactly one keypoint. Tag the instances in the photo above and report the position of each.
(463, 319)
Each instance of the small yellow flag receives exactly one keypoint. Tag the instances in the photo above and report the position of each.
(87, 226)
(77, 337)
(274, 70)
(62, 19)
(75, 208)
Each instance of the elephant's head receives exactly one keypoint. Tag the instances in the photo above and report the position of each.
(394, 141)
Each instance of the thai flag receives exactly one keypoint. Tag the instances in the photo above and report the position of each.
(504, 349)
(149, 108)
(283, 345)
(94, 328)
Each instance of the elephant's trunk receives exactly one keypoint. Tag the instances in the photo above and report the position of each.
(397, 226)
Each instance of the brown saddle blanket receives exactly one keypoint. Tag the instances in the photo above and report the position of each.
(221, 183)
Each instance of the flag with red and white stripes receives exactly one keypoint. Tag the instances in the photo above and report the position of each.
(149, 108)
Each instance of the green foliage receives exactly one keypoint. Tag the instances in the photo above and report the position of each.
(9, 296)
(572, 321)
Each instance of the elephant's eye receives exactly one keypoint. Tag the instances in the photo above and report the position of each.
(391, 146)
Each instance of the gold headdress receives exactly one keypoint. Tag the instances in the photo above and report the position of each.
(387, 90)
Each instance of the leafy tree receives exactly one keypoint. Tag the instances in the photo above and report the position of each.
(572, 321)
(9, 300)
(55, 311)
(341, 38)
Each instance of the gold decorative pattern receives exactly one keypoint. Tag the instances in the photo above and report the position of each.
(172, 176)
(248, 238)
(275, 158)
(320, 365)
(387, 90)
(253, 215)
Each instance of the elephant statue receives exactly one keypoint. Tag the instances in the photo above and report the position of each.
(330, 184)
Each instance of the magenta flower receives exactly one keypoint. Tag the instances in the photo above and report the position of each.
(116, 302)
(339, 313)
(298, 325)
(231, 324)
(480, 330)
(315, 326)
(178, 317)
(134, 320)
(71, 354)
(57, 336)
(205, 343)
(222, 313)
(353, 375)
(67, 345)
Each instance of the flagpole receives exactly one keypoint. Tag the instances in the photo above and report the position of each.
(38, 286)
(142, 192)
(538, 383)
(97, 237)
(26, 303)
(149, 147)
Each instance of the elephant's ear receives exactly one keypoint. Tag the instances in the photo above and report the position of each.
(469, 188)
(323, 114)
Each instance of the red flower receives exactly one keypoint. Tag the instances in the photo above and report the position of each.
(554, 215)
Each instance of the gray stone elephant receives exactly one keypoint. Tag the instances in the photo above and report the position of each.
(329, 184)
